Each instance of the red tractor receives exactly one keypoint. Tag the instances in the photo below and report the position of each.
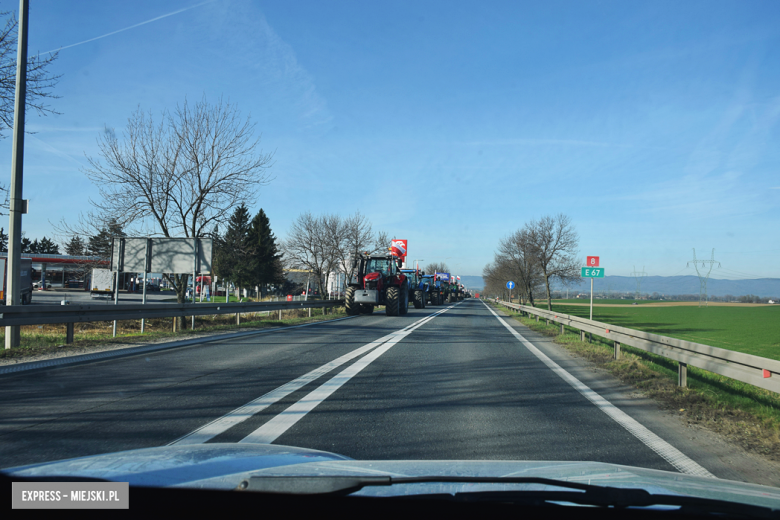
(377, 281)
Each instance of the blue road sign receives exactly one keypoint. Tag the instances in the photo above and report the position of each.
(510, 285)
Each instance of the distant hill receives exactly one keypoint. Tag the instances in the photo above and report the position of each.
(475, 283)
(671, 285)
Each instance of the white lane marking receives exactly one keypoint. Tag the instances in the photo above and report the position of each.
(241, 414)
(671, 454)
(271, 430)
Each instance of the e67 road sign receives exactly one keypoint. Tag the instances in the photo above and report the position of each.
(592, 272)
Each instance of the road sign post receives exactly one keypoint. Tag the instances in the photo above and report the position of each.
(510, 285)
(592, 272)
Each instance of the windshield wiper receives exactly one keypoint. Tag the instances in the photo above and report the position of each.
(583, 494)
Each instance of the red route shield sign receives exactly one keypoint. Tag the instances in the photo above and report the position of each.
(593, 261)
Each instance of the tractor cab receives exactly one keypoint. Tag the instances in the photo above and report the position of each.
(414, 276)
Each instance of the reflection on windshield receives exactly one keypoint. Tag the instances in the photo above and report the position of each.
(378, 265)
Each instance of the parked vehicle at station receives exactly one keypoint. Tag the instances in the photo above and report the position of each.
(377, 281)
(26, 280)
(101, 283)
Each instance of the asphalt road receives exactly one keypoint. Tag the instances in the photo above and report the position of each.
(449, 382)
(55, 297)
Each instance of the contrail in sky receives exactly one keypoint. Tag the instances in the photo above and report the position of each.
(131, 27)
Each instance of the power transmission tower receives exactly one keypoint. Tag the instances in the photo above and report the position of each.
(638, 277)
(702, 277)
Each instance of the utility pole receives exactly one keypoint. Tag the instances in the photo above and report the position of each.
(17, 204)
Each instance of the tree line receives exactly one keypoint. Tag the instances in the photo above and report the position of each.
(44, 246)
(542, 251)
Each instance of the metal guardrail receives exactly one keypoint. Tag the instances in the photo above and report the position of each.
(754, 370)
(81, 313)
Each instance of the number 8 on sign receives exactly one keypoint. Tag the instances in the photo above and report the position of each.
(593, 261)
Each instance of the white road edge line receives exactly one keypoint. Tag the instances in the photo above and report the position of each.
(274, 428)
(668, 452)
(241, 414)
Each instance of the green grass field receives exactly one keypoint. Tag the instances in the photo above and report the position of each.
(752, 330)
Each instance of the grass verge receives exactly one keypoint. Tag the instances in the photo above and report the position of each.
(751, 330)
(39, 341)
(745, 414)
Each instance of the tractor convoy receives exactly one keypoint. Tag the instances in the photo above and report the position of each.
(379, 280)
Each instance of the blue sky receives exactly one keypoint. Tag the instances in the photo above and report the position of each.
(654, 125)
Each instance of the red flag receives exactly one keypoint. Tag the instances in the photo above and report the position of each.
(398, 248)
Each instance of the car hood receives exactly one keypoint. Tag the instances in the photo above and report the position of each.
(226, 466)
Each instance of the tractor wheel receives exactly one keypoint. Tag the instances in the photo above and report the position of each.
(349, 302)
(366, 308)
(393, 301)
(404, 301)
(419, 300)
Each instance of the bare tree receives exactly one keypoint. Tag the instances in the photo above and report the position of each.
(307, 247)
(554, 244)
(328, 243)
(436, 267)
(39, 84)
(516, 255)
(176, 178)
(39, 80)
(358, 238)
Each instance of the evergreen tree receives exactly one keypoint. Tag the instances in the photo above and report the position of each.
(3, 241)
(26, 244)
(236, 254)
(100, 244)
(47, 247)
(268, 264)
(75, 246)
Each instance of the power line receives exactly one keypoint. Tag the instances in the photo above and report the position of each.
(703, 278)
(638, 277)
